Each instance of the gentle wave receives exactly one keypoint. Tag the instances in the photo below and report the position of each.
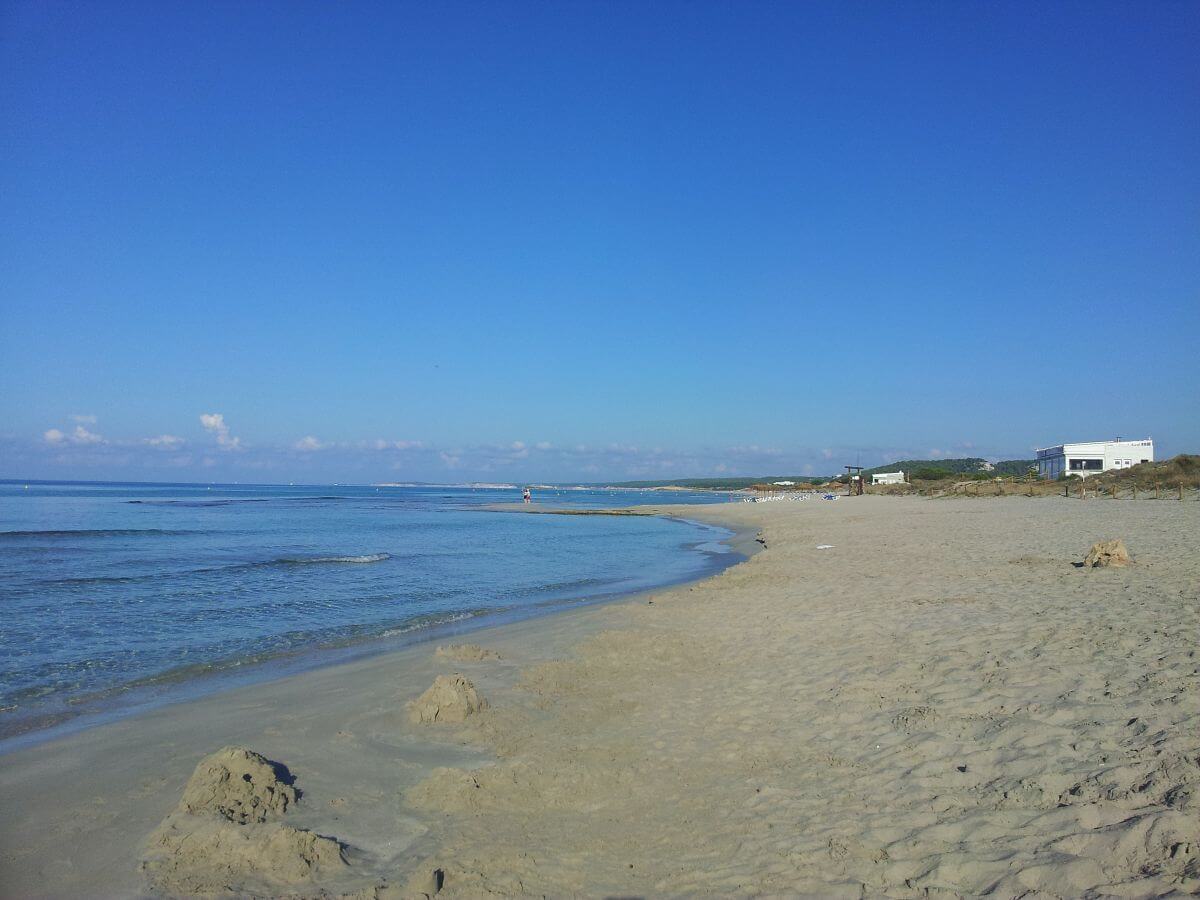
(303, 561)
(280, 563)
(560, 587)
(422, 623)
(95, 533)
(227, 501)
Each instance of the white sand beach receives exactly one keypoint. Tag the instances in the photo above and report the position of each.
(939, 704)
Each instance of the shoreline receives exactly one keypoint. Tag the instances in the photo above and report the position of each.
(139, 763)
(942, 701)
(219, 676)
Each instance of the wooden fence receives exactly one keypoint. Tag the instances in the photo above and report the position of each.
(1032, 487)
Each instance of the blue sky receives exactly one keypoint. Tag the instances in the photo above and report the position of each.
(288, 241)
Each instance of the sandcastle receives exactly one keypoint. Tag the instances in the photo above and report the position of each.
(1107, 553)
(451, 698)
(225, 837)
(238, 785)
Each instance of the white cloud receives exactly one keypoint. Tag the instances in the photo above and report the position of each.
(513, 460)
(82, 436)
(165, 442)
(84, 419)
(381, 444)
(215, 422)
(79, 436)
(753, 450)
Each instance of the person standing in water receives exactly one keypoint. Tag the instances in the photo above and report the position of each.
(527, 496)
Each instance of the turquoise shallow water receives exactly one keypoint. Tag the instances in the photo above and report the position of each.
(110, 591)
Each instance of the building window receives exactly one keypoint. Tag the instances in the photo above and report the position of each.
(1087, 465)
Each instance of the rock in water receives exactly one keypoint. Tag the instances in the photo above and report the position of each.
(451, 698)
(1107, 553)
(239, 785)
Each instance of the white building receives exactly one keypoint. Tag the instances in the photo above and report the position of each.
(1094, 456)
(887, 478)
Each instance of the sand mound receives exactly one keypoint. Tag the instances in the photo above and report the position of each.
(466, 653)
(239, 785)
(1107, 553)
(219, 840)
(447, 789)
(205, 854)
(451, 698)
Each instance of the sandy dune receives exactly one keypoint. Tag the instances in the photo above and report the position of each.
(940, 705)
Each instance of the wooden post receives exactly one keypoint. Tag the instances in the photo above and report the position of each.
(1114, 494)
(1181, 490)
(1135, 489)
(1156, 490)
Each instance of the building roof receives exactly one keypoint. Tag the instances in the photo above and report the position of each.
(1138, 441)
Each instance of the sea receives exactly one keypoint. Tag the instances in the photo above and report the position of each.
(117, 597)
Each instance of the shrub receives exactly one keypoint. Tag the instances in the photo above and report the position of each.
(931, 474)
